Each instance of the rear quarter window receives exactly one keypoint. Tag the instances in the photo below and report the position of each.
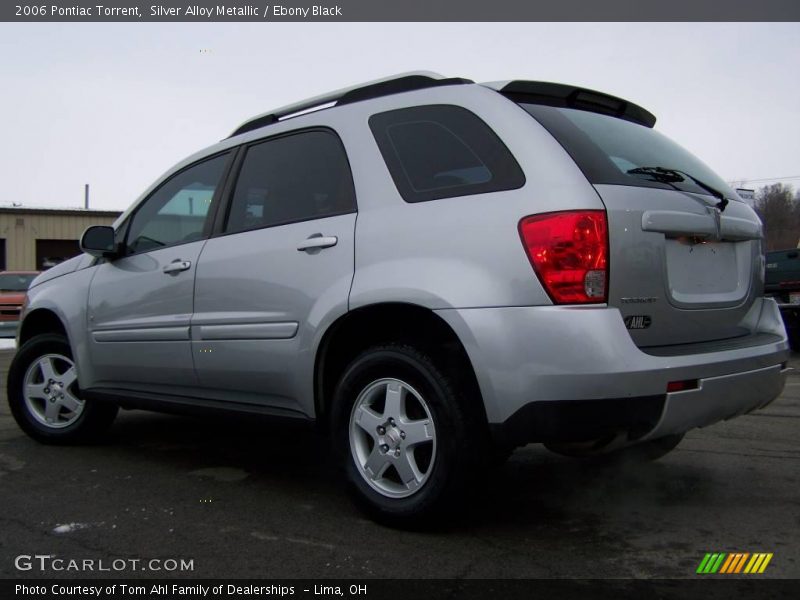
(443, 151)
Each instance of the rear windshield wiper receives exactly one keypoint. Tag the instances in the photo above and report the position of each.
(675, 176)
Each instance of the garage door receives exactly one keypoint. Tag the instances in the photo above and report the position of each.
(51, 252)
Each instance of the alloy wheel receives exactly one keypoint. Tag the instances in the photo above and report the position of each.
(392, 438)
(50, 389)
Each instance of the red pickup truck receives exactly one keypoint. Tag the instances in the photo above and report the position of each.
(13, 286)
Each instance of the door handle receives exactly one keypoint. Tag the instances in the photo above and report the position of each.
(317, 242)
(176, 266)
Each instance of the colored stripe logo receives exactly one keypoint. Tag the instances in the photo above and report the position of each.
(734, 562)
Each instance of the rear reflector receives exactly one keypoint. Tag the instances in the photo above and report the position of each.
(682, 386)
(569, 252)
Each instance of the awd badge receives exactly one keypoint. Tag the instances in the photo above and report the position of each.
(638, 322)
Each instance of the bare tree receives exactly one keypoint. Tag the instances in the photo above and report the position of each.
(779, 210)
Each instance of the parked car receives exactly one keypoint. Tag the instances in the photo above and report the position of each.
(783, 284)
(13, 285)
(433, 270)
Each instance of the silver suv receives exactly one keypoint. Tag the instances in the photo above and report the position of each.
(435, 271)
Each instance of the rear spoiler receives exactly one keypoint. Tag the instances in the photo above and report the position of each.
(568, 96)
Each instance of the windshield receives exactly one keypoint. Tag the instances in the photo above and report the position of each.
(607, 148)
(16, 282)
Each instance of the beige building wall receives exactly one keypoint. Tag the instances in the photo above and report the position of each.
(22, 227)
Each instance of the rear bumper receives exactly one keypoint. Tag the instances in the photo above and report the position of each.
(567, 373)
(719, 398)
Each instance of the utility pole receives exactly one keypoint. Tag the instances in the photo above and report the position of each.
(86, 196)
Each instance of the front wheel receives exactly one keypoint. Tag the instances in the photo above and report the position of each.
(44, 396)
(407, 435)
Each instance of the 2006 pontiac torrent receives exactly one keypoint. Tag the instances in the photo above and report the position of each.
(435, 271)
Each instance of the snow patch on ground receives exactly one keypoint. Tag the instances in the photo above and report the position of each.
(70, 527)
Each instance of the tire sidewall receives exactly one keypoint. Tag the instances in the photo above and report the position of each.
(24, 358)
(430, 384)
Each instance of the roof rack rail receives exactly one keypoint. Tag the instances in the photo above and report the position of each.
(569, 96)
(396, 84)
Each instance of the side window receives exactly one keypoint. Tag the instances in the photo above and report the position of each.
(442, 151)
(176, 213)
(294, 178)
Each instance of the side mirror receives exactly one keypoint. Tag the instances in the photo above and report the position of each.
(99, 241)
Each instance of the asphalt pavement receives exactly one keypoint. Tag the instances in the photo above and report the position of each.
(254, 500)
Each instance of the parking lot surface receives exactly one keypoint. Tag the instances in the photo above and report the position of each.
(255, 500)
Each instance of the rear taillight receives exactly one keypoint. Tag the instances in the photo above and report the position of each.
(569, 252)
(682, 386)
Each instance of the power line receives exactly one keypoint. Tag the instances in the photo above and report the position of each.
(764, 179)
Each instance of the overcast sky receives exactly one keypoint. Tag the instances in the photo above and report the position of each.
(114, 105)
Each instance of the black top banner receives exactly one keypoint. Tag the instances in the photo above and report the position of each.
(400, 10)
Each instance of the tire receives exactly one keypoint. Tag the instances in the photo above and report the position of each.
(409, 439)
(791, 320)
(646, 451)
(44, 397)
(499, 455)
(794, 339)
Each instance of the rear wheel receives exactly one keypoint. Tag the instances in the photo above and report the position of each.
(650, 450)
(794, 335)
(44, 396)
(407, 435)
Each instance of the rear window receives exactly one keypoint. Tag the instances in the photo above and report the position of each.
(605, 148)
(442, 151)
